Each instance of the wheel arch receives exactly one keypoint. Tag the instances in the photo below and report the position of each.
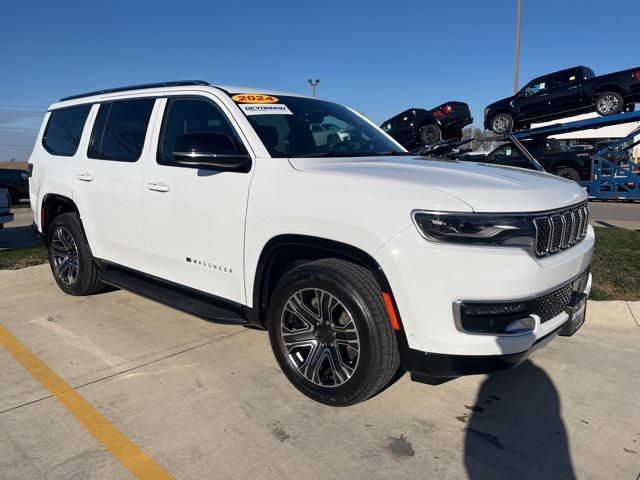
(54, 204)
(284, 252)
(607, 87)
(429, 121)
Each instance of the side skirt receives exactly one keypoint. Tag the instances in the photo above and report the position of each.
(200, 304)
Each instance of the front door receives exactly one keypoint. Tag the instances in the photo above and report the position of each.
(194, 218)
(533, 100)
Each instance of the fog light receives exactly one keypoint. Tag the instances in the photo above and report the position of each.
(495, 318)
(521, 325)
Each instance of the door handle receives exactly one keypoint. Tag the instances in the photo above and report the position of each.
(573, 88)
(158, 187)
(85, 177)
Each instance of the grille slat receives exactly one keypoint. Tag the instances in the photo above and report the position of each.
(560, 230)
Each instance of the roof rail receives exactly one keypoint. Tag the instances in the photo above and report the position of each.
(178, 83)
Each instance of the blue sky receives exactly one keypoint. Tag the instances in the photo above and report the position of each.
(378, 57)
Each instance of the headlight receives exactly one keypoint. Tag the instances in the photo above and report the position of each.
(475, 228)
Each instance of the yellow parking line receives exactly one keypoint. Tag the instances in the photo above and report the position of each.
(128, 453)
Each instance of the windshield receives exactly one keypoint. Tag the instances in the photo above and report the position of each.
(291, 127)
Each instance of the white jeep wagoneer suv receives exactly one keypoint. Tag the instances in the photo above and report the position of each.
(360, 260)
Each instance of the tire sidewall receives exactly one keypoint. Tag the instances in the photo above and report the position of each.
(72, 224)
(437, 134)
(568, 173)
(621, 106)
(508, 117)
(356, 306)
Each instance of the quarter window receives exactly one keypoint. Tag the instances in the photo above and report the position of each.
(64, 129)
(192, 115)
(120, 129)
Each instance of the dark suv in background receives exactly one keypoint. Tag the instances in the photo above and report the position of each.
(16, 181)
(560, 94)
(554, 156)
(416, 126)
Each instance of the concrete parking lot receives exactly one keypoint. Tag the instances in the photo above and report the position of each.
(208, 401)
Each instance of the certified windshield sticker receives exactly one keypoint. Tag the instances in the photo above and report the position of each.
(261, 109)
(254, 98)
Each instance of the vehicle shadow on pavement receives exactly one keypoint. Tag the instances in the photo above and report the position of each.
(515, 429)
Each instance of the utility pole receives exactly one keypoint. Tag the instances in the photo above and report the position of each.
(517, 64)
(314, 84)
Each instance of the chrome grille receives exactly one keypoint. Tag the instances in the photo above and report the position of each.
(560, 230)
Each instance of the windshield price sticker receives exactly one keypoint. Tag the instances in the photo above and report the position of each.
(261, 109)
(254, 98)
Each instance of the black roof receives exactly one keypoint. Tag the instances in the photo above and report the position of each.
(177, 83)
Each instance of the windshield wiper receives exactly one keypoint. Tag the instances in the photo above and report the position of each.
(393, 153)
(355, 154)
(341, 154)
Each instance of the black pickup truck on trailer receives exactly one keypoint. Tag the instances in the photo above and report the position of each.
(416, 126)
(554, 156)
(560, 94)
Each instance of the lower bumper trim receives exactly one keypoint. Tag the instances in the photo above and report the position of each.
(421, 364)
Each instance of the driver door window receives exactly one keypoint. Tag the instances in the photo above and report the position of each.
(535, 87)
(191, 115)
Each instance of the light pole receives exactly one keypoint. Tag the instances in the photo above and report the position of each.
(314, 84)
(517, 64)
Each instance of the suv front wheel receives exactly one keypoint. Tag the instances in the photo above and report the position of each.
(502, 123)
(70, 257)
(330, 332)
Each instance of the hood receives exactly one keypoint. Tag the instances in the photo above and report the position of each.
(484, 187)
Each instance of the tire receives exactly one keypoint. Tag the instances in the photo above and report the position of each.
(608, 103)
(430, 134)
(66, 243)
(568, 173)
(357, 335)
(502, 123)
(14, 196)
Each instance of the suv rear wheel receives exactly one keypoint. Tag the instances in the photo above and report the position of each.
(609, 103)
(330, 332)
(569, 173)
(70, 257)
(502, 123)
(430, 134)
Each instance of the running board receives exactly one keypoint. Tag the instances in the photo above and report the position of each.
(190, 301)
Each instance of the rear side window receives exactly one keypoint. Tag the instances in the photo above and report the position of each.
(120, 129)
(64, 129)
(565, 78)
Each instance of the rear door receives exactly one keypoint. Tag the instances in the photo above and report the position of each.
(194, 218)
(565, 94)
(107, 183)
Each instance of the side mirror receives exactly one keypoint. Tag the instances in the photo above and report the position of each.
(208, 149)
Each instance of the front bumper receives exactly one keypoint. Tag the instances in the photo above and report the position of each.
(438, 365)
(428, 279)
